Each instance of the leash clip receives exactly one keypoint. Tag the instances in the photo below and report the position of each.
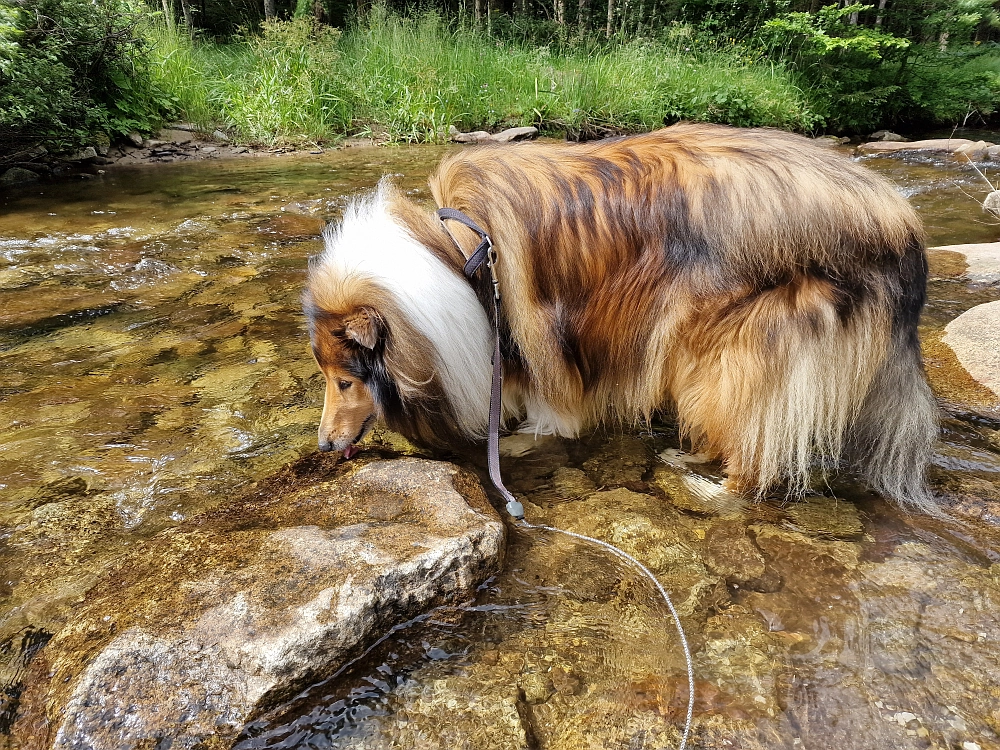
(491, 261)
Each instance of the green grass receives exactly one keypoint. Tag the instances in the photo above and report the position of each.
(409, 79)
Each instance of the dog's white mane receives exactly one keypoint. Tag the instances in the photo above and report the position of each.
(370, 243)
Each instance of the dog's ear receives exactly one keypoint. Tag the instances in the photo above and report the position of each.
(363, 326)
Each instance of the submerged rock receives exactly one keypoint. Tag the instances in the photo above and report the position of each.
(730, 553)
(214, 620)
(826, 517)
(974, 336)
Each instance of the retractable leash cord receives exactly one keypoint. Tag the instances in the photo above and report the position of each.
(485, 253)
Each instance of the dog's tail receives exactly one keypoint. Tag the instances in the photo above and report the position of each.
(891, 441)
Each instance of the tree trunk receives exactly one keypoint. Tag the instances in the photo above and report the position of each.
(477, 10)
(611, 18)
(881, 9)
(581, 18)
(269, 10)
(186, 10)
(168, 15)
(560, 12)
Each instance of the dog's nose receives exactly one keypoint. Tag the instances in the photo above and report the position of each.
(326, 446)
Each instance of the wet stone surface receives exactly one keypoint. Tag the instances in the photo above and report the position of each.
(228, 613)
(156, 365)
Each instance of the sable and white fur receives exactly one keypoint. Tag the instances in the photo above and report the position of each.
(763, 288)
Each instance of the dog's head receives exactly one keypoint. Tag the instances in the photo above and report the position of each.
(349, 348)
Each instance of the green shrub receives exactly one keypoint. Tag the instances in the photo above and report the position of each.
(70, 69)
(404, 79)
(282, 84)
(862, 78)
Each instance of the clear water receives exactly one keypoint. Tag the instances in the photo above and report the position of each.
(154, 361)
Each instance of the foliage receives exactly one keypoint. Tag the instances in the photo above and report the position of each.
(865, 77)
(410, 79)
(281, 84)
(72, 68)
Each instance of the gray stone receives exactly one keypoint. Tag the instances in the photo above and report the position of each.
(888, 136)
(481, 136)
(82, 155)
(233, 611)
(178, 137)
(476, 136)
(220, 136)
(953, 145)
(17, 176)
(135, 139)
(514, 134)
(982, 259)
(188, 126)
(974, 336)
(832, 140)
(991, 202)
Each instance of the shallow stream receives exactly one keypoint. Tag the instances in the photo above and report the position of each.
(154, 361)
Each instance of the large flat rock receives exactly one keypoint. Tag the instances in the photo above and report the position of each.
(974, 149)
(974, 336)
(213, 621)
(982, 260)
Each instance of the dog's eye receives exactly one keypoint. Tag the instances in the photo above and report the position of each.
(344, 384)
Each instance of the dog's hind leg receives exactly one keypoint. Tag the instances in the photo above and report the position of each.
(772, 381)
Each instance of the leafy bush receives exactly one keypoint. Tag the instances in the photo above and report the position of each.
(862, 77)
(403, 79)
(70, 69)
(281, 84)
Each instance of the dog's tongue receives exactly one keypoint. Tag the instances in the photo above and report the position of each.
(350, 451)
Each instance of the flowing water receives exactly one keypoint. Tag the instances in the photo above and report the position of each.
(154, 361)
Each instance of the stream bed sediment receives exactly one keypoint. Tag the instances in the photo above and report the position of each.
(155, 366)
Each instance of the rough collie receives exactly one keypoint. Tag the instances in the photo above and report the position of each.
(761, 287)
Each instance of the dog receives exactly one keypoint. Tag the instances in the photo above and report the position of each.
(763, 288)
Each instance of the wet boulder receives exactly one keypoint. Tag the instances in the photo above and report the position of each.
(982, 259)
(210, 622)
(17, 176)
(974, 336)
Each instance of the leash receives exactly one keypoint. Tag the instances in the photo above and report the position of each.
(486, 253)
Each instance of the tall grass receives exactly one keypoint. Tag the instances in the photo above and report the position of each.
(401, 79)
